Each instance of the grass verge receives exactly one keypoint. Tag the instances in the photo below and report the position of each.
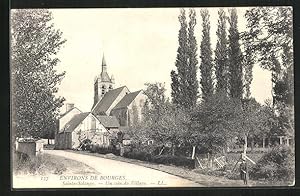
(45, 164)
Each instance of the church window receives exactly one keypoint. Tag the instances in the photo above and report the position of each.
(103, 91)
(110, 86)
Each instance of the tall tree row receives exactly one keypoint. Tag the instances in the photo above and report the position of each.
(221, 54)
(184, 81)
(206, 65)
(235, 57)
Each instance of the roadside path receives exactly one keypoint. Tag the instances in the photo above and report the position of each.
(114, 173)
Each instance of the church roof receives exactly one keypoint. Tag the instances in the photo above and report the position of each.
(104, 104)
(108, 121)
(127, 100)
(64, 114)
(74, 122)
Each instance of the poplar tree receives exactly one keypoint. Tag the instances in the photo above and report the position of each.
(235, 58)
(206, 65)
(184, 81)
(181, 62)
(192, 83)
(221, 54)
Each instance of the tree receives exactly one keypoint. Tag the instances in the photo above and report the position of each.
(235, 58)
(34, 44)
(221, 54)
(152, 111)
(206, 65)
(248, 64)
(216, 121)
(163, 122)
(270, 32)
(172, 127)
(184, 82)
(179, 78)
(192, 83)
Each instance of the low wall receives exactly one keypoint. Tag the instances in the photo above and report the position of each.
(30, 148)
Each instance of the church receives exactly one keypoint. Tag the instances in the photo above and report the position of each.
(113, 110)
(118, 102)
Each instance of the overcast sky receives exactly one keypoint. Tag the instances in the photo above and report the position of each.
(139, 45)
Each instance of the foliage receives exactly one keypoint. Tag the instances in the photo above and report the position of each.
(174, 160)
(96, 148)
(248, 64)
(139, 155)
(160, 159)
(270, 34)
(216, 121)
(235, 58)
(221, 54)
(184, 81)
(34, 44)
(278, 164)
(206, 65)
(285, 120)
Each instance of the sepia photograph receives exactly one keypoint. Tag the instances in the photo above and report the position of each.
(152, 97)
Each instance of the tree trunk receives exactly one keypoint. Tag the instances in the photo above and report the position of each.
(245, 144)
(193, 153)
(173, 150)
(252, 144)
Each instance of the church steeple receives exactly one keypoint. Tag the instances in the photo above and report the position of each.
(103, 83)
(104, 66)
(104, 75)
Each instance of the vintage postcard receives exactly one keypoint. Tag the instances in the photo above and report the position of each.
(152, 97)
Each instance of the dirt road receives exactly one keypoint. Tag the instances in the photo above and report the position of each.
(113, 173)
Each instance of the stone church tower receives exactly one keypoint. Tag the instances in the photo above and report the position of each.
(103, 83)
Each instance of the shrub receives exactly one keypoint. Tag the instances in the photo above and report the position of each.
(102, 149)
(278, 164)
(174, 160)
(140, 155)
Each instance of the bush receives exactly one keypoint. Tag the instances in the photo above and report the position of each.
(174, 160)
(278, 164)
(102, 149)
(139, 155)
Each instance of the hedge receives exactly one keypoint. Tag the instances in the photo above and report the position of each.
(102, 149)
(161, 159)
(174, 160)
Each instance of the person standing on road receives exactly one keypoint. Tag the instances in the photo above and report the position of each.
(243, 171)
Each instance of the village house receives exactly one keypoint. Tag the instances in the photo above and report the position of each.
(82, 126)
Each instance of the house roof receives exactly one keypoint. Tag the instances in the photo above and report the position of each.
(108, 121)
(127, 100)
(103, 105)
(74, 122)
(68, 112)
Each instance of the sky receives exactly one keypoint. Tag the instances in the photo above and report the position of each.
(139, 44)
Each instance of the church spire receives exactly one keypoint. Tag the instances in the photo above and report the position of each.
(104, 75)
(104, 66)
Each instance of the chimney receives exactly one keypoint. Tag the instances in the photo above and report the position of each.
(69, 106)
